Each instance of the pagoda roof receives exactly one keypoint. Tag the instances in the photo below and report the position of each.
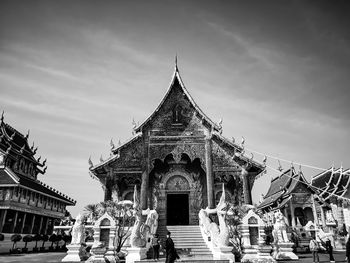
(282, 187)
(176, 78)
(332, 182)
(14, 142)
(10, 178)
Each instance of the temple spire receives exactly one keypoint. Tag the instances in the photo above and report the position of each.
(176, 68)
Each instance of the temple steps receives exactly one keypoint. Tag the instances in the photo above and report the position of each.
(189, 242)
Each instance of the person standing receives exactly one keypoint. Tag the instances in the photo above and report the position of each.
(170, 250)
(314, 249)
(330, 250)
(348, 250)
(155, 246)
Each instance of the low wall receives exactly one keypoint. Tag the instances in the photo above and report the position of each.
(7, 244)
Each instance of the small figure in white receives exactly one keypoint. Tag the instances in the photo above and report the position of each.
(78, 231)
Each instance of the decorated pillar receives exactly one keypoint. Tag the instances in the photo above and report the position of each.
(246, 190)
(209, 171)
(23, 221)
(314, 211)
(144, 186)
(340, 213)
(292, 212)
(323, 217)
(13, 227)
(3, 214)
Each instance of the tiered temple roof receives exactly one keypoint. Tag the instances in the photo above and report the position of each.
(18, 165)
(332, 183)
(282, 188)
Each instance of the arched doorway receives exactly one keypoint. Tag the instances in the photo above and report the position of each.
(177, 200)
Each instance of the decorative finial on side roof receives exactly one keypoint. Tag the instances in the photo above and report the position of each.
(13, 135)
(2, 116)
(22, 149)
(44, 162)
(242, 142)
(39, 159)
(9, 149)
(112, 144)
(27, 135)
(264, 160)
(36, 148)
(119, 142)
(133, 126)
(220, 126)
(90, 162)
(279, 166)
(101, 158)
(233, 139)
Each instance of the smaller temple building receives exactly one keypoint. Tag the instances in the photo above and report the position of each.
(293, 196)
(26, 204)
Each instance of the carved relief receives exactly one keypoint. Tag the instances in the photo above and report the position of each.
(177, 183)
(162, 150)
(222, 158)
(131, 156)
(197, 200)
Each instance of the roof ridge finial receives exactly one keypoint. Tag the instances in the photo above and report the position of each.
(176, 68)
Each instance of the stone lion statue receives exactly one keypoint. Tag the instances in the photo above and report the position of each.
(280, 228)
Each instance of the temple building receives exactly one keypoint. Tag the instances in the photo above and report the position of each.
(26, 204)
(333, 188)
(293, 196)
(178, 159)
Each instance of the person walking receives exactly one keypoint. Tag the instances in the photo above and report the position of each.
(314, 249)
(329, 249)
(171, 254)
(155, 246)
(348, 250)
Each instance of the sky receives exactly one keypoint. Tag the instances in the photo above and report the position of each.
(76, 73)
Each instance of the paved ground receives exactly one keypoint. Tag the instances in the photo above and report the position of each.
(53, 257)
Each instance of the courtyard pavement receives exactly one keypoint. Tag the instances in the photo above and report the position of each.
(55, 257)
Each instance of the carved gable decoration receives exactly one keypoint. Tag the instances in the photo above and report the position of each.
(252, 221)
(130, 155)
(177, 183)
(222, 157)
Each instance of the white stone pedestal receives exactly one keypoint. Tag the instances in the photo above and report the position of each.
(135, 254)
(285, 251)
(99, 253)
(72, 253)
(264, 253)
(249, 254)
(223, 253)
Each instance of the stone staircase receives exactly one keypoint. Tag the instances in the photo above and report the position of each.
(189, 242)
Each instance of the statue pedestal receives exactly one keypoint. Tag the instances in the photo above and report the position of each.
(98, 254)
(249, 254)
(135, 254)
(264, 253)
(72, 253)
(285, 251)
(220, 253)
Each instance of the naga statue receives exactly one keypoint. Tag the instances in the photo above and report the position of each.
(142, 231)
(280, 228)
(219, 233)
(78, 230)
(136, 239)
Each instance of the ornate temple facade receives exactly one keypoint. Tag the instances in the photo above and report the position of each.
(27, 205)
(178, 159)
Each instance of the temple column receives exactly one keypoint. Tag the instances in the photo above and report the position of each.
(323, 217)
(292, 213)
(32, 224)
(246, 190)
(340, 213)
(314, 211)
(3, 213)
(209, 172)
(13, 227)
(41, 224)
(144, 190)
(23, 221)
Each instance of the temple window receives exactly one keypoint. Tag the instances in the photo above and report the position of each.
(177, 113)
